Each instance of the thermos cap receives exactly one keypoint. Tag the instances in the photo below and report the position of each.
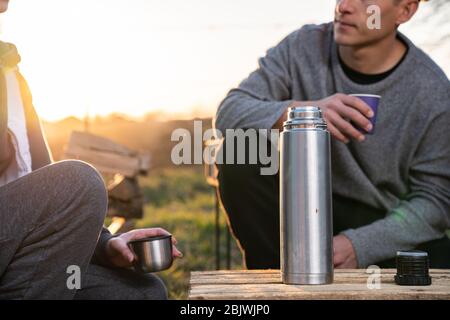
(309, 112)
(306, 117)
(412, 268)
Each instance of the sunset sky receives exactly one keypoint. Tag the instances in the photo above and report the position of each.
(138, 56)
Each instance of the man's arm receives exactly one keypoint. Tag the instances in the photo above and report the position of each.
(262, 98)
(424, 214)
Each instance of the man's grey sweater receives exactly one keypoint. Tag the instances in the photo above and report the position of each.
(403, 168)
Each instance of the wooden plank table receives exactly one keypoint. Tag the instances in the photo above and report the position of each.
(348, 284)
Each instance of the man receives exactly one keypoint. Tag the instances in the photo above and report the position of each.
(391, 189)
(51, 215)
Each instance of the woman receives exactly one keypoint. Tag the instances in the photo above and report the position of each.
(51, 215)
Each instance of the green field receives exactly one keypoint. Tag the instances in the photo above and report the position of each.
(180, 201)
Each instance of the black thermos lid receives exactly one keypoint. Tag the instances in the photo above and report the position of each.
(412, 268)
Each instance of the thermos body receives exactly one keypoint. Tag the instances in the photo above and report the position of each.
(306, 199)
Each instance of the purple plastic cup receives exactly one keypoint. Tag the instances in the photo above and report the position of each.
(372, 100)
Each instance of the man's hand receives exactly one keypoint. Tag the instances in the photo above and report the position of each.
(344, 256)
(120, 254)
(338, 110)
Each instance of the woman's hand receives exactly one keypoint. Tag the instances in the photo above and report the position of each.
(120, 254)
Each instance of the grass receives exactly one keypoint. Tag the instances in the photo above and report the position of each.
(180, 201)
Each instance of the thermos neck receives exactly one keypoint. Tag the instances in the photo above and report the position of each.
(308, 117)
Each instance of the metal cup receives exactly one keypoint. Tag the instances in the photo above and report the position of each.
(152, 254)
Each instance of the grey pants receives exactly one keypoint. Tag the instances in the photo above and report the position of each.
(50, 220)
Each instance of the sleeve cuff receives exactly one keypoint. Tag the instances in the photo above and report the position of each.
(100, 257)
(359, 246)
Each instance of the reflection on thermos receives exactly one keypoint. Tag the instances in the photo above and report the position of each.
(306, 199)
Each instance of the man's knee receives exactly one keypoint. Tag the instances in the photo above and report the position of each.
(240, 174)
(237, 174)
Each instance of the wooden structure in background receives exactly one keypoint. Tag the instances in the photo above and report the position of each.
(120, 163)
(348, 285)
(106, 155)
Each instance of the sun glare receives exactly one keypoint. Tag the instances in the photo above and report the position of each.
(100, 57)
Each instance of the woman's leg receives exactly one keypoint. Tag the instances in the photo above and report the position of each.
(101, 283)
(49, 220)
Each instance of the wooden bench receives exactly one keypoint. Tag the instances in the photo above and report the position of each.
(348, 284)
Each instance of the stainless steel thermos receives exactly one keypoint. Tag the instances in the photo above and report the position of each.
(306, 218)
